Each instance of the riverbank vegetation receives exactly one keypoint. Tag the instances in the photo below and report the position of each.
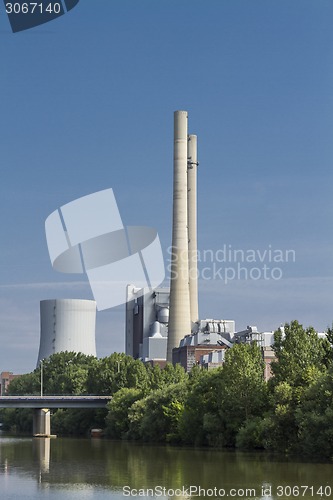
(231, 406)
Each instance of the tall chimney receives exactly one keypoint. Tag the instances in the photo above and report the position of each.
(179, 320)
(192, 225)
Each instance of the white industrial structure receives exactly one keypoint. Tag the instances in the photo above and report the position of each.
(211, 332)
(157, 322)
(180, 319)
(67, 325)
(192, 164)
(163, 324)
(147, 319)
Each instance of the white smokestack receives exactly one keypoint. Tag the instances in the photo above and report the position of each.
(179, 321)
(192, 225)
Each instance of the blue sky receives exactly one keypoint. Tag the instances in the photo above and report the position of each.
(87, 104)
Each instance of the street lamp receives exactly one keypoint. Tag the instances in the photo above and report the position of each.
(41, 378)
(68, 374)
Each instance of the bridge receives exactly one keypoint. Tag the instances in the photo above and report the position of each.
(43, 404)
(54, 401)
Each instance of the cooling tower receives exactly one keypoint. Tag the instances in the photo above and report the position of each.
(67, 325)
(179, 321)
(192, 226)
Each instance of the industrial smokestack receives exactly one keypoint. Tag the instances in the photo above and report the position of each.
(192, 225)
(179, 321)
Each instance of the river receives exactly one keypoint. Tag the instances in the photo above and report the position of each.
(64, 468)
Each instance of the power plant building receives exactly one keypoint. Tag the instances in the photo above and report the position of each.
(164, 324)
(158, 321)
(67, 325)
(147, 325)
(147, 319)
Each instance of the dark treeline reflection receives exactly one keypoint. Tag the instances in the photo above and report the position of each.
(114, 464)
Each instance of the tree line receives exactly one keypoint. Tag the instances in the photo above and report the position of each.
(231, 406)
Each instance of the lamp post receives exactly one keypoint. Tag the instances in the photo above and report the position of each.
(41, 378)
(68, 373)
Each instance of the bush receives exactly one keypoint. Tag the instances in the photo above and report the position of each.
(117, 420)
(253, 434)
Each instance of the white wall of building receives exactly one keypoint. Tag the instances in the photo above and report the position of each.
(67, 325)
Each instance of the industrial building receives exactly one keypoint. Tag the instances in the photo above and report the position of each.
(215, 358)
(209, 335)
(147, 319)
(67, 325)
(162, 323)
(147, 325)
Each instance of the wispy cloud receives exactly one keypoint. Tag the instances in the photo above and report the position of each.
(46, 285)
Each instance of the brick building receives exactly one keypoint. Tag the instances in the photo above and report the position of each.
(5, 380)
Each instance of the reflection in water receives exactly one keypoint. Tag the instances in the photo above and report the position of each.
(96, 467)
(41, 451)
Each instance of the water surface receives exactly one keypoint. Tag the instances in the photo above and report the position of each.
(32, 468)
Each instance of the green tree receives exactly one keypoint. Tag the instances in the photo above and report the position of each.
(301, 362)
(107, 375)
(27, 384)
(314, 418)
(173, 374)
(17, 420)
(254, 434)
(200, 422)
(300, 355)
(284, 400)
(66, 373)
(117, 420)
(135, 416)
(77, 422)
(63, 373)
(155, 376)
(162, 412)
(243, 391)
(329, 346)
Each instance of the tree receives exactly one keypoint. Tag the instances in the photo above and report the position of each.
(17, 420)
(117, 420)
(27, 384)
(161, 414)
(77, 422)
(329, 346)
(66, 373)
(200, 423)
(155, 376)
(63, 373)
(173, 374)
(243, 391)
(314, 418)
(107, 375)
(300, 355)
(135, 416)
(301, 362)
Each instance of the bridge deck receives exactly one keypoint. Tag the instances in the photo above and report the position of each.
(54, 401)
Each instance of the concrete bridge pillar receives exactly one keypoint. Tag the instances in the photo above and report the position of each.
(42, 422)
